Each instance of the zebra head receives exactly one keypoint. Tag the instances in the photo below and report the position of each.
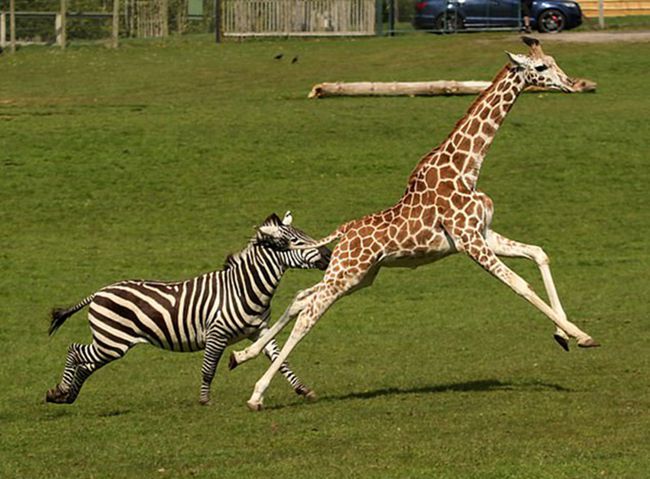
(279, 235)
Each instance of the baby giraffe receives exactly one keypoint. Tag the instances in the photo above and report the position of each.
(441, 212)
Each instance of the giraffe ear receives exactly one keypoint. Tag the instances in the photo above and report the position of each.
(516, 59)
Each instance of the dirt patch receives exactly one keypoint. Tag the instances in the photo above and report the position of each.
(597, 37)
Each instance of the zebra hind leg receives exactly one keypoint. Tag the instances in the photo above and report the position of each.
(81, 362)
(59, 393)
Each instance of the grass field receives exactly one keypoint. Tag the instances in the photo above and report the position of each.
(157, 160)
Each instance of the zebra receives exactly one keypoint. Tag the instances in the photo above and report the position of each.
(208, 312)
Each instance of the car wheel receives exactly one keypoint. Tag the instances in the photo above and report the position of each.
(551, 21)
(448, 23)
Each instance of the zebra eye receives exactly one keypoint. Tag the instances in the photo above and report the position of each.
(541, 68)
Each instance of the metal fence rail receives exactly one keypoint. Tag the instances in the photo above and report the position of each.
(298, 17)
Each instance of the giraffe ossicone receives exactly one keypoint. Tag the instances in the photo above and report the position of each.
(441, 212)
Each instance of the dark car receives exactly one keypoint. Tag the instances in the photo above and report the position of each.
(452, 15)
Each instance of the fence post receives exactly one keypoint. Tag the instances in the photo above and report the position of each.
(60, 26)
(3, 30)
(601, 14)
(379, 17)
(217, 21)
(12, 26)
(116, 24)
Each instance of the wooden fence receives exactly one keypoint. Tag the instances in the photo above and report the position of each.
(298, 17)
(615, 8)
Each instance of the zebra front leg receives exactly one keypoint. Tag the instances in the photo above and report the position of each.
(252, 351)
(214, 347)
(272, 351)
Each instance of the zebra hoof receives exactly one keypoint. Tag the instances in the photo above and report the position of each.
(307, 393)
(588, 343)
(255, 406)
(232, 362)
(204, 401)
(56, 396)
(562, 341)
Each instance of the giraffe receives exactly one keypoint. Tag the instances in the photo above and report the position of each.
(441, 213)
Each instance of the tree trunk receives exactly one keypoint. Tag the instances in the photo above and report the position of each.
(429, 88)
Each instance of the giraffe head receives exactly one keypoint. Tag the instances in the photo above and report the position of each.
(540, 69)
(281, 236)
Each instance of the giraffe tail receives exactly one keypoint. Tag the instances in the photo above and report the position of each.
(59, 315)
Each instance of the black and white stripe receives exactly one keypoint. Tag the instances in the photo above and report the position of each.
(207, 312)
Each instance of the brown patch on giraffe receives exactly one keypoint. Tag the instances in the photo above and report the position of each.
(488, 129)
(432, 176)
(474, 127)
(458, 201)
(401, 235)
(445, 188)
(465, 144)
(424, 236)
(447, 172)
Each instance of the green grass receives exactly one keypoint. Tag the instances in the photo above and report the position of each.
(158, 159)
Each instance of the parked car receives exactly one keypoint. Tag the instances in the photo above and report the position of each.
(450, 15)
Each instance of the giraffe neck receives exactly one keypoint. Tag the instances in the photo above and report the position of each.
(468, 143)
(476, 131)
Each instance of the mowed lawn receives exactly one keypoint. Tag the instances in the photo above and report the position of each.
(158, 159)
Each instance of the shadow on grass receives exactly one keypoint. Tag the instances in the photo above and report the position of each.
(483, 385)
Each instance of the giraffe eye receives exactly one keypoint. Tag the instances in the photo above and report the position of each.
(541, 68)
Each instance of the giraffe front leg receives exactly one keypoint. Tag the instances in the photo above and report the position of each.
(477, 248)
(214, 347)
(503, 246)
(252, 351)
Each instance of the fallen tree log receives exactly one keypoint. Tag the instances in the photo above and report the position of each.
(423, 88)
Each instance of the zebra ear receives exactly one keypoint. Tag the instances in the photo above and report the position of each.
(272, 219)
(272, 231)
(287, 218)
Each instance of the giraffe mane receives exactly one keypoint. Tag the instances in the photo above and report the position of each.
(481, 96)
(471, 110)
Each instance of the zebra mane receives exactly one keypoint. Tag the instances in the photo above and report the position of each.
(234, 259)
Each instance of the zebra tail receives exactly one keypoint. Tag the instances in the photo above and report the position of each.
(59, 315)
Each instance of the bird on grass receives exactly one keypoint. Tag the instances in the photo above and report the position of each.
(295, 59)
(278, 56)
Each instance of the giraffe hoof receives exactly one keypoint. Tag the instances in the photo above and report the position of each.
(562, 341)
(255, 406)
(232, 362)
(588, 343)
